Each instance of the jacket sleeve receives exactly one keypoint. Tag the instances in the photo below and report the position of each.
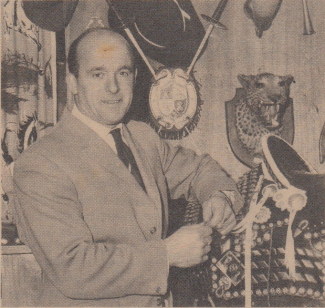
(51, 220)
(188, 173)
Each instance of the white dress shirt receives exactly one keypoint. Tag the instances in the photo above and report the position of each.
(101, 130)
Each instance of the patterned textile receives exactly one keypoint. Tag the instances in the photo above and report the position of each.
(221, 281)
(28, 99)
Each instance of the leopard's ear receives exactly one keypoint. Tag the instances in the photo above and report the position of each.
(246, 80)
(288, 80)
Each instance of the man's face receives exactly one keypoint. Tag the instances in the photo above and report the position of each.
(106, 77)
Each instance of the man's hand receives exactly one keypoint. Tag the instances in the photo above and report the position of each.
(218, 213)
(189, 245)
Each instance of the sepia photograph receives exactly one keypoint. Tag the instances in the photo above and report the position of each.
(162, 153)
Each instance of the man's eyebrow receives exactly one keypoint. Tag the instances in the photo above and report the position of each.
(127, 67)
(102, 68)
(95, 69)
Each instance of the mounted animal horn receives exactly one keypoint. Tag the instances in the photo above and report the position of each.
(308, 26)
(262, 12)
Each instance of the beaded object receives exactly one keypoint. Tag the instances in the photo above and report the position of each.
(221, 282)
(271, 284)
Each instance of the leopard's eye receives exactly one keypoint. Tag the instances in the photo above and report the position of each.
(259, 85)
(282, 83)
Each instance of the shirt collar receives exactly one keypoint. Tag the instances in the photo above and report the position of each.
(98, 128)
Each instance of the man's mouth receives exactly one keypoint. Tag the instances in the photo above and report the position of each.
(111, 101)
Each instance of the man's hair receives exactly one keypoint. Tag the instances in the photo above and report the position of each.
(72, 60)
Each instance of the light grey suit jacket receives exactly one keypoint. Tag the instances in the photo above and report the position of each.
(95, 233)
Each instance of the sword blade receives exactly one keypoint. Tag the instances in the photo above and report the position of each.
(219, 10)
(143, 56)
(133, 40)
(214, 21)
(205, 38)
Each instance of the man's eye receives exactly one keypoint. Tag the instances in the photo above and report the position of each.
(125, 73)
(98, 75)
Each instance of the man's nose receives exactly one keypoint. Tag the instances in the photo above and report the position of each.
(112, 85)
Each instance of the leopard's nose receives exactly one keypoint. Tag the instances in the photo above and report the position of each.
(275, 98)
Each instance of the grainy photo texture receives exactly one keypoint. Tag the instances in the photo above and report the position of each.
(163, 153)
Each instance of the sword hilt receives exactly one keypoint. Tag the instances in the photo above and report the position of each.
(214, 22)
(217, 15)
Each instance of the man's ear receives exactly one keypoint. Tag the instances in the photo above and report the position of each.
(72, 83)
(135, 75)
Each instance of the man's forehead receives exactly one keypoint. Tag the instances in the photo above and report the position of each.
(106, 50)
(103, 45)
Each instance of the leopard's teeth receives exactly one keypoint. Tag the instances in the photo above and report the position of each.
(275, 123)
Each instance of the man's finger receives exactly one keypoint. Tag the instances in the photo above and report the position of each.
(207, 212)
(206, 231)
(205, 258)
(217, 221)
(206, 249)
(227, 227)
(209, 240)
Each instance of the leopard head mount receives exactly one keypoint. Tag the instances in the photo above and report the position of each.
(262, 109)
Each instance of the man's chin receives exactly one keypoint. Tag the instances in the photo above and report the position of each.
(111, 122)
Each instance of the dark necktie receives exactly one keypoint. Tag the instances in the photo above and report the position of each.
(126, 156)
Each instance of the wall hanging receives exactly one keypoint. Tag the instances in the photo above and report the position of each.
(174, 98)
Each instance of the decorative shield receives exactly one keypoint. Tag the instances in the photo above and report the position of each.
(174, 104)
(241, 153)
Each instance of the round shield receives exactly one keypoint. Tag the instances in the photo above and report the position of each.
(173, 103)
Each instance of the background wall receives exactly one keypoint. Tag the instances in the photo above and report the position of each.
(282, 50)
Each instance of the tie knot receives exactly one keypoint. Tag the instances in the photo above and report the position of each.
(116, 133)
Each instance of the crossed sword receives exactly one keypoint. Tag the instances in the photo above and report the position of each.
(213, 22)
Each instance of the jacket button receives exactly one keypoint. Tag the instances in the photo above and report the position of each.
(158, 290)
(153, 230)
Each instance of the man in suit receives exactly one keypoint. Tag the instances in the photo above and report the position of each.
(92, 196)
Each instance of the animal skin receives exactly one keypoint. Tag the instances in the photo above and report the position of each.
(261, 111)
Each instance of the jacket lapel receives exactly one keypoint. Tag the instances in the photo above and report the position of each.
(146, 172)
(147, 213)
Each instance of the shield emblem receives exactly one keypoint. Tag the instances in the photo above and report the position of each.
(173, 103)
(237, 147)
